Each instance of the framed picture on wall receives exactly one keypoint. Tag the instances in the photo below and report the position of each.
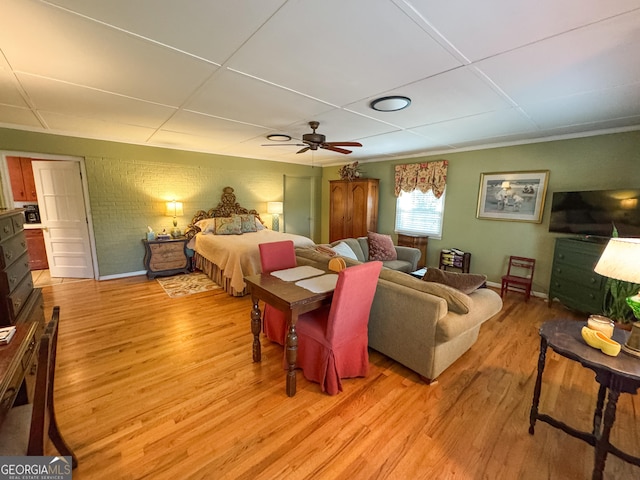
(512, 196)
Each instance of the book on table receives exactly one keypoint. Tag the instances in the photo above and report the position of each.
(6, 334)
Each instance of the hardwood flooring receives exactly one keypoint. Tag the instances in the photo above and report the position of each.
(150, 387)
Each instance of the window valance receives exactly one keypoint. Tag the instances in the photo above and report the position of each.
(422, 176)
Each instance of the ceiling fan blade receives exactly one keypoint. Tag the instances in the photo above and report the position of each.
(344, 144)
(333, 148)
(302, 150)
(283, 144)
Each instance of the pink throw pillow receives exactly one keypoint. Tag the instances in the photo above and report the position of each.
(381, 247)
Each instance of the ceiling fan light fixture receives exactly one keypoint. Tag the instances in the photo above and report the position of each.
(278, 137)
(391, 103)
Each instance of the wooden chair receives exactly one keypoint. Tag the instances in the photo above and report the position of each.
(26, 428)
(519, 276)
(276, 256)
(333, 341)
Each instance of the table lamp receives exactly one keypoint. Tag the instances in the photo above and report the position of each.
(275, 209)
(174, 209)
(621, 261)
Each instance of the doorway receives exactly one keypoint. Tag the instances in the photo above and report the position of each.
(62, 198)
(298, 205)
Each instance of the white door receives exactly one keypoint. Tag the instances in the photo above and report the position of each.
(63, 217)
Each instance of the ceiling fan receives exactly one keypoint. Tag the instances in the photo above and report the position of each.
(313, 141)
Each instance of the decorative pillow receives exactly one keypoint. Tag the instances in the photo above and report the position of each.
(381, 247)
(228, 226)
(344, 250)
(247, 222)
(325, 250)
(465, 282)
(259, 225)
(207, 225)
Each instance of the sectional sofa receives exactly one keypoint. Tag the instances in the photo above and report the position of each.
(425, 326)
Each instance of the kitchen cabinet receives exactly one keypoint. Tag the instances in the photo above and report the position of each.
(36, 249)
(23, 184)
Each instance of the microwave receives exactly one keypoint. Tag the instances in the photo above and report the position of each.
(31, 214)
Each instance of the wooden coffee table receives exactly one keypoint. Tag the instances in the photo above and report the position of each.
(615, 375)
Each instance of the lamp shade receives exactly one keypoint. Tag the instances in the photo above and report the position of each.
(174, 209)
(274, 207)
(620, 260)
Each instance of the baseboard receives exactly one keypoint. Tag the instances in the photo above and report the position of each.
(122, 275)
(533, 293)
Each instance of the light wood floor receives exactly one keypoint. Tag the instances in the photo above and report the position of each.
(159, 388)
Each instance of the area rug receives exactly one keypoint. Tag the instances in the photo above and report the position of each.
(187, 284)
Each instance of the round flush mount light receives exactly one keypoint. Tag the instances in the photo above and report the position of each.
(390, 104)
(278, 137)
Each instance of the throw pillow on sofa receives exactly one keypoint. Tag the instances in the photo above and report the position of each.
(465, 282)
(344, 250)
(381, 247)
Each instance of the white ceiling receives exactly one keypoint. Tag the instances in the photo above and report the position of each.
(219, 75)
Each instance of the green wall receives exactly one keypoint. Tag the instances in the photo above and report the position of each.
(129, 185)
(591, 163)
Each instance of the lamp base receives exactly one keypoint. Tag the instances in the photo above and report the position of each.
(630, 351)
(175, 232)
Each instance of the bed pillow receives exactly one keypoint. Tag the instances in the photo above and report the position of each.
(344, 250)
(465, 282)
(228, 226)
(247, 222)
(259, 225)
(381, 247)
(207, 225)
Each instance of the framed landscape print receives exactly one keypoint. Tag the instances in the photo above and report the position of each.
(513, 196)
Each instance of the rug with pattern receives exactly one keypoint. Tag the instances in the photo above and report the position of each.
(186, 284)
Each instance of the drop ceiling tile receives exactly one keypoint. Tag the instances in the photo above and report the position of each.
(209, 29)
(485, 126)
(592, 107)
(12, 117)
(72, 100)
(457, 93)
(87, 127)
(397, 143)
(583, 60)
(95, 55)
(9, 93)
(339, 51)
(219, 131)
(483, 29)
(245, 99)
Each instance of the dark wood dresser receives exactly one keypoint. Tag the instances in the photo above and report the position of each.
(20, 305)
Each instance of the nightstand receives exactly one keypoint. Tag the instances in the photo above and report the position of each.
(165, 257)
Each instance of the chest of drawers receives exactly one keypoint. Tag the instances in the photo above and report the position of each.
(166, 257)
(16, 284)
(573, 280)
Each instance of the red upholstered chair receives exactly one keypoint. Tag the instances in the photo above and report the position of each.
(519, 276)
(276, 256)
(332, 342)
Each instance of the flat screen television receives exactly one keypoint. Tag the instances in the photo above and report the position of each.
(595, 212)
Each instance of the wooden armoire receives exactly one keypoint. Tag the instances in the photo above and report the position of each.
(353, 209)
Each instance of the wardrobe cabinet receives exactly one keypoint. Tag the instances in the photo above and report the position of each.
(353, 209)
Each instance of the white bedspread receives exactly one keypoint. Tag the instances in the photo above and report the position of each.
(238, 255)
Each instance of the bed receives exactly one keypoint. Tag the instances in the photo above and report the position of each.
(231, 253)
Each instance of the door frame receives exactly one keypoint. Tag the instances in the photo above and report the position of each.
(7, 198)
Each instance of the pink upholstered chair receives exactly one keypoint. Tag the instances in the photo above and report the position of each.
(333, 342)
(276, 256)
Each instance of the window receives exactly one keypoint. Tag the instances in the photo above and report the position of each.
(420, 213)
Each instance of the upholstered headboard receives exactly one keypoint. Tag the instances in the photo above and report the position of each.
(226, 208)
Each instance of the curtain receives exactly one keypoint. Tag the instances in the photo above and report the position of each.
(422, 176)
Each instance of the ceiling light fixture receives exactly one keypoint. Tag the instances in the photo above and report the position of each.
(392, 103)
(278, 137)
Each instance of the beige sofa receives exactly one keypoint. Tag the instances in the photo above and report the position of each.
(407, 256)
(425, 326)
